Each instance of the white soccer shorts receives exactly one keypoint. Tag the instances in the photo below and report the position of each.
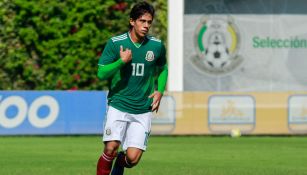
(132, 130)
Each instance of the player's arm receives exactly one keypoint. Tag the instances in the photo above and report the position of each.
(162, 72)
(107, 71)
(107, 65)
(157, 95)
(162, 79)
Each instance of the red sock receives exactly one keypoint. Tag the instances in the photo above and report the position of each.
(104, 164)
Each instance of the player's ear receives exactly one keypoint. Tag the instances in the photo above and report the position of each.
(132, 22)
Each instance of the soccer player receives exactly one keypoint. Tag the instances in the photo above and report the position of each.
(132, 62)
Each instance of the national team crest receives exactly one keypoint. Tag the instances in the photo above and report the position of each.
(150, 56)
(217, 43)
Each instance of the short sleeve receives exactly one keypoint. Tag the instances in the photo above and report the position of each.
(162, 58)
(109, 54)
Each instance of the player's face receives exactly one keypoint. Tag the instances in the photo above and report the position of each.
(141, 26)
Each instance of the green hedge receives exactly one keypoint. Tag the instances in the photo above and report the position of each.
(56, 44)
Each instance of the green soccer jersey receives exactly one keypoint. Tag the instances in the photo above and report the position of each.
(131, 85)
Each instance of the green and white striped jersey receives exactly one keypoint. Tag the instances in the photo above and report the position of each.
(131, 85)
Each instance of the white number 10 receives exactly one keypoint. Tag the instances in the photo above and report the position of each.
(137, 69)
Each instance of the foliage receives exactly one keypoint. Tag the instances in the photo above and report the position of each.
(56, 44)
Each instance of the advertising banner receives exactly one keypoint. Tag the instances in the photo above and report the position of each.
(52, 112)
(180, 113)
(257, 113)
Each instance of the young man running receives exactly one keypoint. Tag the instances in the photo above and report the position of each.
(131, 62)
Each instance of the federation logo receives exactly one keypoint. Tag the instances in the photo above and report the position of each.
(217, 45)
(108, 131)
(150, 56)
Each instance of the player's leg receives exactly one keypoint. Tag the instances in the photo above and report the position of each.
(114, 131)
(133, 156)
(134, 143)
(137, 135)
(105, 161)
(126, 160)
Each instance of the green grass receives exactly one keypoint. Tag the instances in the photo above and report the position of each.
(165, 156)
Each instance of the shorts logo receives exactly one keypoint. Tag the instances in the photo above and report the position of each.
(108, 131)
(150, 56)
(217, 44)
(146, 138)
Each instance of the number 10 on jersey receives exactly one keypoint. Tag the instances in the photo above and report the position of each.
(137, 69)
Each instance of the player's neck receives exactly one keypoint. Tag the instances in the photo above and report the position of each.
(135, 37)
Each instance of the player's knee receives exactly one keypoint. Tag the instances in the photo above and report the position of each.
(111, 148)
(132, 160)
(110, 151)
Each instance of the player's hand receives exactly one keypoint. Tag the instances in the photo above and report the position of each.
(156, 96)
(125, 55)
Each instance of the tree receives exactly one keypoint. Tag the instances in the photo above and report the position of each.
(49, 45)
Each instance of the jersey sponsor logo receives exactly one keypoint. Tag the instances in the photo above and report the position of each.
(217, 44)
(150, 56)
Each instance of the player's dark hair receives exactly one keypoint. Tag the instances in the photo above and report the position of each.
(140, 9)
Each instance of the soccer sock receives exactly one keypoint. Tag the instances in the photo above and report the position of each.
(104, 164)
(122, 161)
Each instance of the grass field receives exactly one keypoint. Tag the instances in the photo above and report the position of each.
(77, 155)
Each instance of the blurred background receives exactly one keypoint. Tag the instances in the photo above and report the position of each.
(55, 45)
(49, 52)
(232, 65)
(236, 68)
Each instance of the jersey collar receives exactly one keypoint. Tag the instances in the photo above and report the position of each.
(137, 45)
